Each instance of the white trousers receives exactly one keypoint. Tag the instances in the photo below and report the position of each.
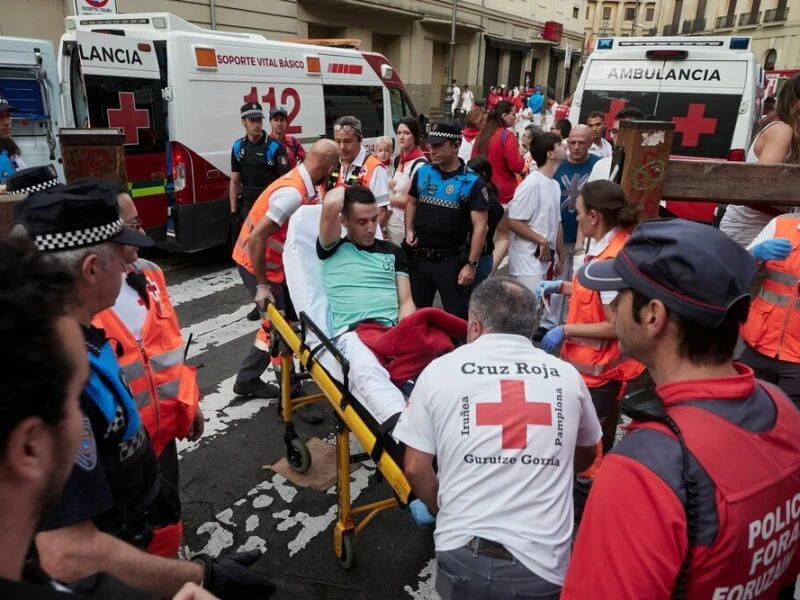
(368, 380)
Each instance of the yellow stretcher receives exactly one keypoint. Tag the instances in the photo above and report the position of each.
(350, 417)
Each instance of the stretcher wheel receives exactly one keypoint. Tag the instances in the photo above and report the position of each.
(298, 455)
(348, 556)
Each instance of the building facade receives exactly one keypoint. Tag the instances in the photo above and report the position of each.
(510, 42)
(774, 25)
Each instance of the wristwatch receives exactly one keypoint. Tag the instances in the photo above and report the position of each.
(472, 263)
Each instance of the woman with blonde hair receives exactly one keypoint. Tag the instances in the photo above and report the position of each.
(778, 142)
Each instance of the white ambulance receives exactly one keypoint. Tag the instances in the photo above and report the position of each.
(176, 90)
(29, 81)
(709, 86)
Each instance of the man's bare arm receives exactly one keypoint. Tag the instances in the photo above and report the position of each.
(330, 228)
(404, 299)
(418, 467)
(233, 190)
(79, 550)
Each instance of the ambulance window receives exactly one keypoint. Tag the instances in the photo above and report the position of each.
(133, 104)
(363, 102)
(80, 109)
(401, 107)
(21, 89)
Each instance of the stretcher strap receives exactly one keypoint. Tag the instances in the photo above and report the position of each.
(383, 433)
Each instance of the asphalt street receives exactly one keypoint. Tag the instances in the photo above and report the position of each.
(232, 501)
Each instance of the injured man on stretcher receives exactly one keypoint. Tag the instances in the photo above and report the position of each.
(356, 288)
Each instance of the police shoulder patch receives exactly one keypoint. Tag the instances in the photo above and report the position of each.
(86, 456)
(283, 161)
(449, 189)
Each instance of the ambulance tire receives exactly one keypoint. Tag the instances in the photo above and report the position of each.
(298, 455)
(348, 556)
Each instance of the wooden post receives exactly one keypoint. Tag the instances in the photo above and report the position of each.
(645, 153)
(93, 153)
(7, 203)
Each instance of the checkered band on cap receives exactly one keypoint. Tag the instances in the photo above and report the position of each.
(442, 134)
(39, 187)
(68, 240)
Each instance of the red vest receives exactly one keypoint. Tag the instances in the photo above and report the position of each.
(773, 325)
(598, 361)
(758, 501)
(163, 387)
(274, 255)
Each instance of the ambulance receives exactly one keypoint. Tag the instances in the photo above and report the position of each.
(29, 81)
(176, 90)
(710, 87)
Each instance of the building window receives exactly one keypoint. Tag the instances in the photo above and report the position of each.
(770, 59)
(649, 13)
(630, 13)
(588, 10)
(576, 11)
(606, 13)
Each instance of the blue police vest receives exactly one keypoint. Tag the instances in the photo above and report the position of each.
(107, 389)
(7, 166)
(443, 204)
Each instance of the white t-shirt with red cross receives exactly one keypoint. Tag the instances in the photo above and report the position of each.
(503, 419)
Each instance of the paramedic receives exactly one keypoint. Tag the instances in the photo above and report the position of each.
(146, 336)
(114, 496)
(506, 451)
(256, 161)
(383, 293)
(258, 254)
(709, 524)
(358, 167)
(446, 224)
(278, 125)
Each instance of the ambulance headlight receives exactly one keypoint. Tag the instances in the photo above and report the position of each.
(69, 24)
(159, 22)
(740, 43)
(386, 71)
(605, 43)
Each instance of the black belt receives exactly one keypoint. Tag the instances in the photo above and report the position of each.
(488, 548)
(439, 253)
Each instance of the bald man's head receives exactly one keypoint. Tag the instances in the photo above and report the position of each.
(321, 159)
(580, 139)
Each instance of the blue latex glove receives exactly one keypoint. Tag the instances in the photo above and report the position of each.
(545, 288)
(774, 249)
(420, 512)
(553, 338)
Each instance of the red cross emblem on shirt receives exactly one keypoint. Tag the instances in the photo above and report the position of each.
(693, 125)
(129, 118)
(513, 413)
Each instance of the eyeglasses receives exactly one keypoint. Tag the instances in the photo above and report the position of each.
(135, 223)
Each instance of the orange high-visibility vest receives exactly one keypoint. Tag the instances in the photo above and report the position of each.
(598, 361)
(163, 387)
(773, 325)
(360, 176)
(274, 254)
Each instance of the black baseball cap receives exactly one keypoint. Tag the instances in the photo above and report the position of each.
(278, 110)
(696, 270)
(6, 106)
(67, 217)
(443, 131)
(252, 110)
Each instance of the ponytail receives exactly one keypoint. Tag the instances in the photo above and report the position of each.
(608, 199)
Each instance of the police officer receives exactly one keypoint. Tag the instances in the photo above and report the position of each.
(10, 161)
(709, 471)
(446, 224)
(114, 497)
(278, 122)
(256, 161)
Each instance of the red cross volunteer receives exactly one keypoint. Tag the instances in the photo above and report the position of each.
(508, 425)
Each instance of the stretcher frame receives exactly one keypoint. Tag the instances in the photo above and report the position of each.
(289, 343)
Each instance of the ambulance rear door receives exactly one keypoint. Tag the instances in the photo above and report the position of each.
(116, 81)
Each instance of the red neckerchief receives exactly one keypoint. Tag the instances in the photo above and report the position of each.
(411, 156)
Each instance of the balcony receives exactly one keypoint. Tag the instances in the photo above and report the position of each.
(776, 15)
(671, 29)
(726, 22)
(750, 19)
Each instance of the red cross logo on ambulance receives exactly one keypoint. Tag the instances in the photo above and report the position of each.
(129, 118)
(513, 414)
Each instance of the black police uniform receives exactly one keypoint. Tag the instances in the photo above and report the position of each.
(258, 163)
(442, 226)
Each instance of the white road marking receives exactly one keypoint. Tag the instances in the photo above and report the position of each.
(225, 517)
(278, 483)
(219, 538)
(253, 543)
(219, 330)
(203, 286)
(426, 589)
(262, 501)
(251, 524)
(219, 412)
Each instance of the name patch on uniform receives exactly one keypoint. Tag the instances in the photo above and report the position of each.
(86, 456)
(432, 189)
